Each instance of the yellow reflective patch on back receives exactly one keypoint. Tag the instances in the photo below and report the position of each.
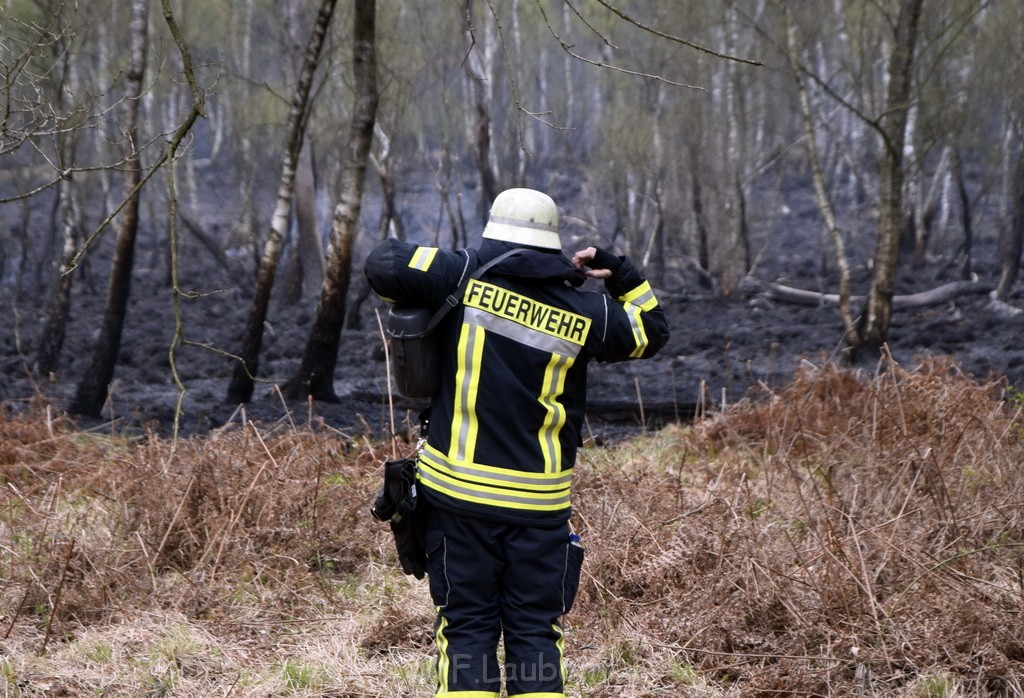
(527, 312)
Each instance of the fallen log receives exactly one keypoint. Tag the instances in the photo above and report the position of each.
(798, 296)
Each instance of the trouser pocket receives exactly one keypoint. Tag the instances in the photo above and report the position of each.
(437, 560)
(573, 570)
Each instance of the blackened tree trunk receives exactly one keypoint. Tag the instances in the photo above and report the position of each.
(315, 375)
(51, 339)
(306, 270)
(873, 327)
(242, 382)
(966, 215)
(1011, 239)
(92, 388)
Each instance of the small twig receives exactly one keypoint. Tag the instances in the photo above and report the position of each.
(640, 402)
(57, 597)
(170, 526)
(387, 369)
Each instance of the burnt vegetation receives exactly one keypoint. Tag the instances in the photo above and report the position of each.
(850, 534)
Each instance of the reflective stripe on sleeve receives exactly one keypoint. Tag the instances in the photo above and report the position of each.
(641, 296)
(639, 334)
(422, 258)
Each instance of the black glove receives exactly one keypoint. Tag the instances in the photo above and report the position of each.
(398, 495)
(396, 503)
(410, 541)
(603, 259)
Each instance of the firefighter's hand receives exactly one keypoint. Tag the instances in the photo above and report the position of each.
(585, 259)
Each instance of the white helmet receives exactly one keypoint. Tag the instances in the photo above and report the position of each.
(525, 217)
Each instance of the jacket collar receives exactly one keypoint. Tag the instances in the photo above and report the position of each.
(530, 263)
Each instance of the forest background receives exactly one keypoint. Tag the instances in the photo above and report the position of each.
(187, 193)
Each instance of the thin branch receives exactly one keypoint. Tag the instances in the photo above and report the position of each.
(679, 40)
(601, 64)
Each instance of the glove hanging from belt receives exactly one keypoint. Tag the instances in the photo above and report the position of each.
(396, 504)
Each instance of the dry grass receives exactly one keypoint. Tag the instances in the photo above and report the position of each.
(850, 535)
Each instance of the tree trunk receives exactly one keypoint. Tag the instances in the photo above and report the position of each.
(92, 388)
(242, 382)
(478, 74)
(697, 200)
(1011, 239)
(390, 221)
(51, 339)
(873, 327)
(315, 376)
(820, 193)
(307, 264)
(966, 216)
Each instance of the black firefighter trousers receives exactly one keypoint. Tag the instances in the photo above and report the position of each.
(490, 580)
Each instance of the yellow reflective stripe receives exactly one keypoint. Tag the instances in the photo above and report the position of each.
(467, 384)
(639, 335)
(422, 258)
(560, 644)
(493, 491)
(554, 417)
(492, 496)
(494, 476)
(442, 653)
(643, 296)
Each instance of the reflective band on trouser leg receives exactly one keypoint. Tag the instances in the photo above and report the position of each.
(442, 654)
(563, 667)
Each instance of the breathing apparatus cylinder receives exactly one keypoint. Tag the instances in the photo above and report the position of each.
(415, 351)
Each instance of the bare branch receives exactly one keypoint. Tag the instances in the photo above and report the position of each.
(679, 40)
(601, 64)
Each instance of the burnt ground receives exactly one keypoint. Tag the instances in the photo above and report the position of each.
(720, 348)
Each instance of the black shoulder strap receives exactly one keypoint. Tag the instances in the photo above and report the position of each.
(456, 296)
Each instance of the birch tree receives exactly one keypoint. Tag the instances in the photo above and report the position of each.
(314, 377)
(92, 388)
(243, 379)
(872, 329)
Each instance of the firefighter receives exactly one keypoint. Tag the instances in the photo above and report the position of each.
(494, 476)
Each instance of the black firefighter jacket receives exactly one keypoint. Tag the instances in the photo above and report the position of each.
(506, 422)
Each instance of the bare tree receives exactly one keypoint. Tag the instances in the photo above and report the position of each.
(242, 381)
(872, 329)
(1011, 239)
(315, 375)
(479, 76)
(820, 188)
(92, 388)
(28, 122)
(306, 265)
